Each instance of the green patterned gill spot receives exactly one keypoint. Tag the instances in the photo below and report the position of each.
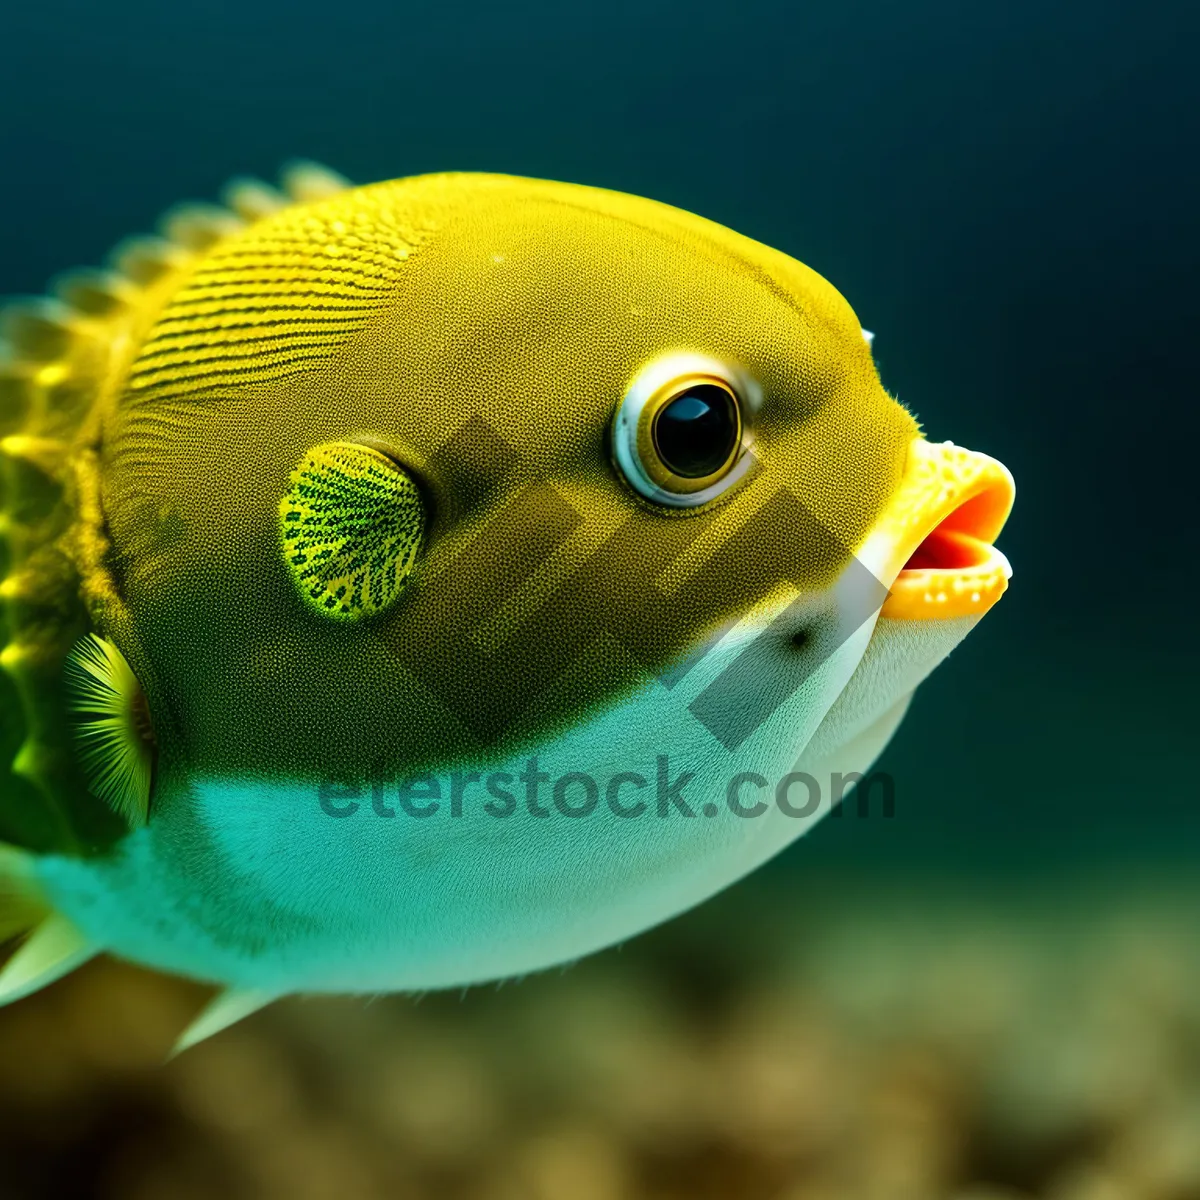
(351, 523)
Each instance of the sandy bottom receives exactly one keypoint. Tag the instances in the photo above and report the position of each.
(787, 1042)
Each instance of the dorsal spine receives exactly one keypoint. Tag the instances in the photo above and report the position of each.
(60, 358)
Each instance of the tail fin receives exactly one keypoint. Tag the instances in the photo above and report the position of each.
(52, 945)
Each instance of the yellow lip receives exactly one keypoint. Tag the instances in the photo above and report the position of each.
(934, 544)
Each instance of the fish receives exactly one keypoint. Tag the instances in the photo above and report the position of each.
(426, 583)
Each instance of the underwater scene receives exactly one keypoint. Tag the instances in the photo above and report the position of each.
(501, 512)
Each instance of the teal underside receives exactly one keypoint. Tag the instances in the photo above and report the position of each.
(256, 884)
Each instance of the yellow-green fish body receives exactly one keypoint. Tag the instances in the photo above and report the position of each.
(438, 580)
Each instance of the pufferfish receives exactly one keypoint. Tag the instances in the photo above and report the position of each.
(420, 584)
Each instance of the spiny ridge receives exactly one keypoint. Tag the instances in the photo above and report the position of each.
(55, 354)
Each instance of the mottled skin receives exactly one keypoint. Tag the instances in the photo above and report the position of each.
(480, 332)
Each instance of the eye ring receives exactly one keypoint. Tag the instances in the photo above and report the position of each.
(643, 439)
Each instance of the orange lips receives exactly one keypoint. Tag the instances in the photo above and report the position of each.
(934, 541)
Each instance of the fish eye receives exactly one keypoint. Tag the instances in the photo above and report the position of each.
(680, 434)
(696, 433)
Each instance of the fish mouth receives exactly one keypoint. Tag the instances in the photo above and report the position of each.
(934, 546)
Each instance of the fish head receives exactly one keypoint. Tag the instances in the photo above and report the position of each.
(432, 471)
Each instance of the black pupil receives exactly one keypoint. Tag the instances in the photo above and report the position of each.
(696, 432)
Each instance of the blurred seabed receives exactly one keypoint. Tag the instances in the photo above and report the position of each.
(786, 1042)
